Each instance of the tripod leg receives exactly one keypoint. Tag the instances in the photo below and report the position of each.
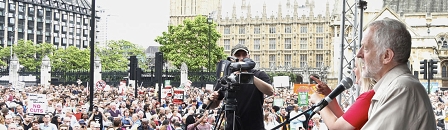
(219, 121)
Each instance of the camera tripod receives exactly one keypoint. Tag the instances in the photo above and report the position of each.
(229, 107)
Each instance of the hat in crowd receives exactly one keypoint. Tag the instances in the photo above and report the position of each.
(239, 47)
(5, 110)
(82, 122)
(276, 108)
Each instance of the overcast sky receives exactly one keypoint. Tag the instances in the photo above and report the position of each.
(138, 21)
(141, 21)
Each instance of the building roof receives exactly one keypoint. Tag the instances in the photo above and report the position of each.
(286, 7)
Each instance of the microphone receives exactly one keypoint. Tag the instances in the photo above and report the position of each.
(346, 83)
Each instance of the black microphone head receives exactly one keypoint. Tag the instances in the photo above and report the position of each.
(347, 82)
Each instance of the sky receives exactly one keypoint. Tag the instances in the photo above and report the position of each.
(137, 21)
(141, 21)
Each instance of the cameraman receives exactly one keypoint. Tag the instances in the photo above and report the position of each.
(250, 97)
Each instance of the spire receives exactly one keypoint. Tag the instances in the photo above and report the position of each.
(327, 9)
(264, 10)
(279, 13)
(219, 15)
(311, 6)
(296, 6)
(249, 14)
(243, 4)
(234, 11)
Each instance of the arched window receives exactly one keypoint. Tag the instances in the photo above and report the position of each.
(444, 67)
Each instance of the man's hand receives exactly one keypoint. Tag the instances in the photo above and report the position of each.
(321, 87)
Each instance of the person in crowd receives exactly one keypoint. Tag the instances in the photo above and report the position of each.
(440, 116)
(2, 123)
(47, 125)
(270, 122)
(385, 50)
(200, 123)
(126, 119)
(250, 97)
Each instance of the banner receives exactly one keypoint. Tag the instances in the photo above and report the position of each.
(303, 91)
(37, 103)
(302, 99)
(178, 97)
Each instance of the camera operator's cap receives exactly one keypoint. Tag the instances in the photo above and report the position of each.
(239, 47)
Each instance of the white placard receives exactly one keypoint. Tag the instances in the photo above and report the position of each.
(165, 92)
(37, 103)
(209, 87)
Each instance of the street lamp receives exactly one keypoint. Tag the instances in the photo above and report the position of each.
(209, 21)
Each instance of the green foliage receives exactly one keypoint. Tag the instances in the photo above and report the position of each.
(71, 58)
(29, 55)
(114, 56)
(189, 43)
(292, 76)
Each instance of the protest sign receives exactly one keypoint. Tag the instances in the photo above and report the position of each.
(37, 103)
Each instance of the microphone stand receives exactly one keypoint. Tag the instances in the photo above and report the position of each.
(288, 120)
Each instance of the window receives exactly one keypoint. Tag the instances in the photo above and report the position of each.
(444, 72)
(287, 60)
(2, 5)
(303, 43)
(319, 28)
(303, 29)
(287, 43)
(257, 30)
(288, 29)
(226, 30)
(271, 61)
(271, 29)
(303, 60)
(226, 44)
(241, 41)
(242, 30)
(319, 60)
(257, 61)
(12, 21)
(257, 44)
(272, 43)
(319, 43)
(40, 12)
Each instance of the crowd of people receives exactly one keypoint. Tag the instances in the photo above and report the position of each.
(392, 98)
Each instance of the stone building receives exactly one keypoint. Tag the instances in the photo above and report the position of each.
(303, 37)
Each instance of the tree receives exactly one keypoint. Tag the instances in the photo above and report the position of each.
(114, 55)
(71, 58)
(29, 55)
(189, 43)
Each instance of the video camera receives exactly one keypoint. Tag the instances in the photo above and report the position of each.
(226, 70)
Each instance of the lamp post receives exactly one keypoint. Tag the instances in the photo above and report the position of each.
(209, 21)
